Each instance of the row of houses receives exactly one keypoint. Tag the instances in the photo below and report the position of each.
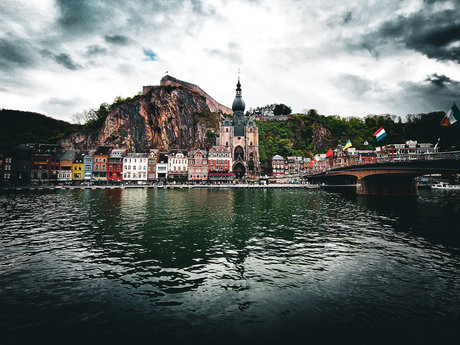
(410, 150)
(48, 163)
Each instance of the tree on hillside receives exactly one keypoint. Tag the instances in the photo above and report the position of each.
(282, 109)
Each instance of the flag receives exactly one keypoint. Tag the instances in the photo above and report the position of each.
(317, 158)
(380, 133)
(329, 153)
(347, 145)
(451, 117)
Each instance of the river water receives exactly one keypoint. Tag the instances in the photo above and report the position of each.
(227, 266)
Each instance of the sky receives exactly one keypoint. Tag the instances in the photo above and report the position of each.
(347, 58)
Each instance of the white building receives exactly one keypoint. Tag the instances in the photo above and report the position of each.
(162, 167)
(178, 164)
(135, 167)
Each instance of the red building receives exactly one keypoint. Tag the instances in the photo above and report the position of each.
(115, 165)
(100, 162)
(198, 166)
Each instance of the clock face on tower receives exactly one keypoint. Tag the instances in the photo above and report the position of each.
(239, 122)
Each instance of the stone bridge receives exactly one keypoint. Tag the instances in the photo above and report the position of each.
(389, 178)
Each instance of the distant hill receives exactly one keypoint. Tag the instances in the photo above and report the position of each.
(25, 127)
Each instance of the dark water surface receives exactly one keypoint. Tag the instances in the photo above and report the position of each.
(228, 267)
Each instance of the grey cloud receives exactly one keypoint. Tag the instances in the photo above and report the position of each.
(426, 32)
(347, 18)
(436, 92)
(356, 86)
(62, 59)
(231, 54)
(79, 17)
(61, 102)
(14, 54)
(96, 49)
(117, 39)
(440, 80)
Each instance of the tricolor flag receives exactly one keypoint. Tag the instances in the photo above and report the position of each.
(329, 153)
(380, 133)
(451, 117)
(317, 158)
(347, 145)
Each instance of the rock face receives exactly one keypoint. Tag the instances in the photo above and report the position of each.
(210, 102)
(320, 133)
(165, 117)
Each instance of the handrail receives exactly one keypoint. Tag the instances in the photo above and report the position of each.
(448, 155)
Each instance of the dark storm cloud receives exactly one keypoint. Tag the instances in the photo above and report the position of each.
(440, 80)
(436, 92)
(117, 39)
(430, 33)
(13, 54)
(62, 59)
(78, 16)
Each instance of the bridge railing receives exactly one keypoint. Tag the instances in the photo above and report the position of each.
(449, 155)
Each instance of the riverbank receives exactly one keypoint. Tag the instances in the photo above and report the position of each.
(169, 186)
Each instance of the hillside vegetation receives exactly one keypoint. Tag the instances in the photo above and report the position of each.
(26, 127)
(300, 135)
(295, 137)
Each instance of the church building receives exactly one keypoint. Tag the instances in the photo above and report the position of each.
(241, 136)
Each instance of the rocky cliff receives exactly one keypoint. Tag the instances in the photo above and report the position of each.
(165, 117)
(213, 105)
(320, 133)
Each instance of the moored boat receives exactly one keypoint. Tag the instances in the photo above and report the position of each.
(444, 185)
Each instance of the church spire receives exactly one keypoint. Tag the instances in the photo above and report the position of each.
(238, 103)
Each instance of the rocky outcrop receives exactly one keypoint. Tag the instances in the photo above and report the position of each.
(320, 133)
(213, 105)
(166, 117)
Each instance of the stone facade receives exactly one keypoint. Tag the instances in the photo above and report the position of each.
(241, 136)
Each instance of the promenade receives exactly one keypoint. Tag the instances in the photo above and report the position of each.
(168, 186)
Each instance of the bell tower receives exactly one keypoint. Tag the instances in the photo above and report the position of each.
(241, 135)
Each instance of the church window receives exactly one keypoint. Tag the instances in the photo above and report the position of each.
(226, 129)
(239, 153)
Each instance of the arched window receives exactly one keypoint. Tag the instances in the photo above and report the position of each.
(239, 153)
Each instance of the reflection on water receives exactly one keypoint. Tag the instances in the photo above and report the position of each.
(227, 266)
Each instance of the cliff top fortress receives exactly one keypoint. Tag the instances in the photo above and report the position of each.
(213, 105)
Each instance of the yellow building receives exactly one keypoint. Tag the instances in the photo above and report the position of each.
(77, 168)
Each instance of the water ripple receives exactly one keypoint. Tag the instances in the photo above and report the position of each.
(270, 262)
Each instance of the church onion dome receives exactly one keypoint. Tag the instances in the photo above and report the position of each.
(238, 103)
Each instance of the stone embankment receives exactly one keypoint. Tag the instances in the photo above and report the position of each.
(169, 186)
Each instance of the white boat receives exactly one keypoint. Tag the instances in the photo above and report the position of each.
(443, 185)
